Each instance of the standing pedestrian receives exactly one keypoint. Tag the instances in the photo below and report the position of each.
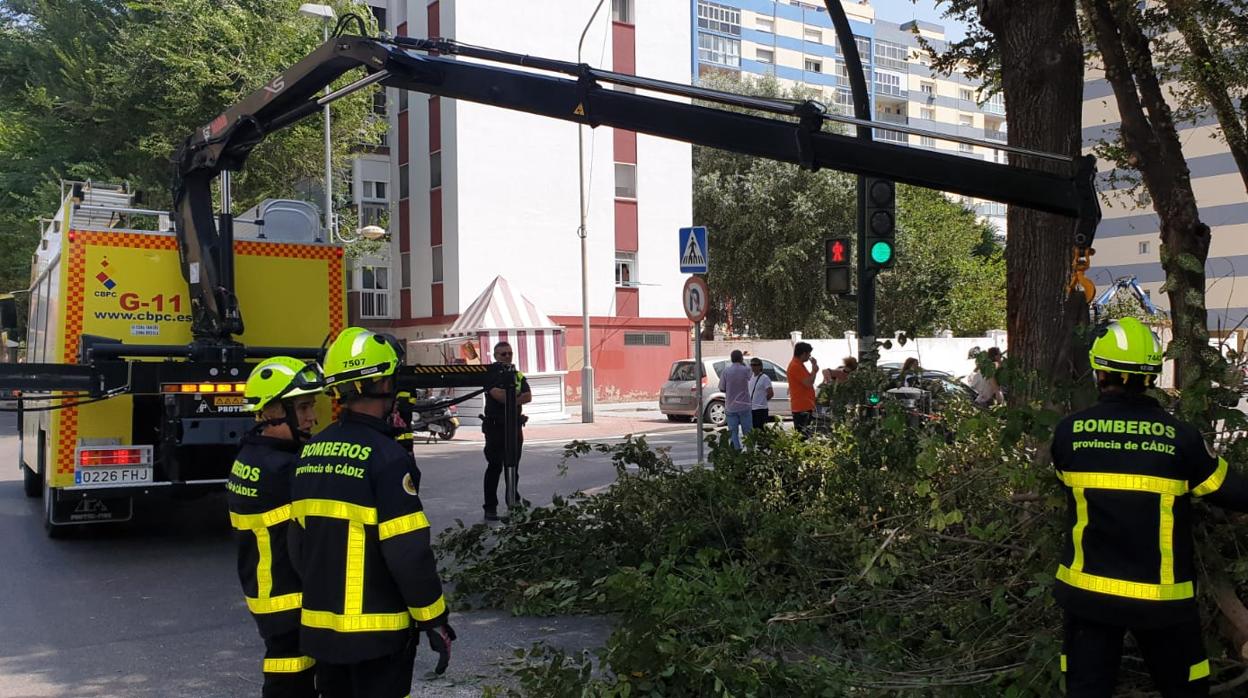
(281, 392)
(760, 392)
(1131, 470)
(987, 389)
(910, 374)
(734, 383)
(493, 426)
(802, 387)
(362, 543)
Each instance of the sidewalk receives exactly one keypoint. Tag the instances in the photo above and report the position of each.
(610, 420)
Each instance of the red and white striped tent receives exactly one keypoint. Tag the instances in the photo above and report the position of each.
(501, 314)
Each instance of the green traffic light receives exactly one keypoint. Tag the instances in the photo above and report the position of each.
(881, 252)
(873, 398)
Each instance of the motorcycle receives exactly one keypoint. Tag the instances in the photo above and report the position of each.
(433, 417)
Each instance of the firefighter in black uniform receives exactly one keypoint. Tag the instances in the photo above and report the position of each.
(362, 542)
(1131, 471)
(493, 426)
(281, 391)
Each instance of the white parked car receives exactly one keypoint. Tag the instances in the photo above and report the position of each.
(678, 398)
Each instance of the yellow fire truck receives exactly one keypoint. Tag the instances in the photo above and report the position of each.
(124, 393)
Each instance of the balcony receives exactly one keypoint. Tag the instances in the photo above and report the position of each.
(993, 134)
(890, 90)
(374, 305)
(891, 136)
(994, 106)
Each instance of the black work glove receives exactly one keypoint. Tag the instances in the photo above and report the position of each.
(440, 639)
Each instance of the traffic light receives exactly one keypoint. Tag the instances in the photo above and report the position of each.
(837, 264)
(880, 213)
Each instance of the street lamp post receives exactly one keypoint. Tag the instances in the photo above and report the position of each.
(326, 14)
(587, 367)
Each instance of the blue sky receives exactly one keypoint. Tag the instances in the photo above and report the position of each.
(905, 10)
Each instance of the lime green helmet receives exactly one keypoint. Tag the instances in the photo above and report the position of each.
(279, 378)
(1126, 346)
(355, 359)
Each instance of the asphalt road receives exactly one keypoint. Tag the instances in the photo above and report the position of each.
(153, 607)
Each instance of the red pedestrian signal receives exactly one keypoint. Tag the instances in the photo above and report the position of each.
(838, 251)
(836, 259)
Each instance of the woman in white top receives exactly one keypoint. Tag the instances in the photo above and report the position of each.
(760, 393)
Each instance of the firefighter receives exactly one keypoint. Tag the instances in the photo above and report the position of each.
(1131, 471)
(493, 426)
(362, 541)
(281, 392)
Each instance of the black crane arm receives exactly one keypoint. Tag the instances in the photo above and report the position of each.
(793, 134)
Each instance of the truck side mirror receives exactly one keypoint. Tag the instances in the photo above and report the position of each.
(8, 313)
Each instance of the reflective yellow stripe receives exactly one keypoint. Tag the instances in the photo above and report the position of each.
(1120, 587)
(429, 612)
(249, 522)
(353, 598)
(288, 665)
(1213, 482)
(264, 568)
(361, 623)
(275, 604)
(1118, 481)
(402, 524)
(1081, 522)
(1166, 539)
(1063, 660)
(332, 509)
(1198, 671)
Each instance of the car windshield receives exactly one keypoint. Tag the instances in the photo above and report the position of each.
(683, 371)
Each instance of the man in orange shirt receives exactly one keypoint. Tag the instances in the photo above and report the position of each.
(802, 387)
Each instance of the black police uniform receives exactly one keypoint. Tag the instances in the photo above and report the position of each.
(259, 501)
(493, 427)
(363, 546)
(1131, 470)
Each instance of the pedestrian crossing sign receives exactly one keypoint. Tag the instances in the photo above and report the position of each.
(693, 256)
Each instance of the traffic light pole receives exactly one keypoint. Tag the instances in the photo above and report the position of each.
(862, 110)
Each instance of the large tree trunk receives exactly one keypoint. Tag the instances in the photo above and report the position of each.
(1150, 136)
(1211, 80)
(1042, 78)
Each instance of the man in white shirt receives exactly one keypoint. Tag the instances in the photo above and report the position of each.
(760, 393)
(734, 384)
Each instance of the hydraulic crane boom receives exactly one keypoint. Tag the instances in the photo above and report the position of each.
(792, 133)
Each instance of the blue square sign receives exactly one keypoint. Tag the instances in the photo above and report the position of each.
(693, 255)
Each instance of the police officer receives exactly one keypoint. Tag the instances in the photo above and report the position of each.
(281, 392)
(363, 543)
(1131, 471)
(493, 425)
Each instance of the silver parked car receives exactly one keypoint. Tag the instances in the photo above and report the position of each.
(678, 398)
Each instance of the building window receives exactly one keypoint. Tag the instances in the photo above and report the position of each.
(864, 48)
(843, 99)
(373, 213)
(435, 170)
(813, 66)
(647, 339)
(927, 141)
(928, 88)
(765, 24)
(403, 182)
(891, 56)
(622, 11)
(719, 49)
(435, 257)
(966, 95)
(927, 113)
(1144, 247)
(995, 104)
(373, 190)
(812, 35)
(402, 101)
(719, 18)
(379, 101)
(625, 268)
(625, 180)
(888, 84)
(966, 120)
(966, 148)
(405, 270)
(374, 292)
(764, 55)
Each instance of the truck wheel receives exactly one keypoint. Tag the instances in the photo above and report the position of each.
(32, 482)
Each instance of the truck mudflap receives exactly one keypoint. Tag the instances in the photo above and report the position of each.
(69, 508)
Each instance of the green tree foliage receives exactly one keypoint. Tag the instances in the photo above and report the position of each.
(768, 221)
(106, 89)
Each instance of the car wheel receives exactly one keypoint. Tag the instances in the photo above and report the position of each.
(675, 418)
(715, 414)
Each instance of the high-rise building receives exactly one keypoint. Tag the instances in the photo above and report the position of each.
(1129, 237)
(480, 192)
(793, 41)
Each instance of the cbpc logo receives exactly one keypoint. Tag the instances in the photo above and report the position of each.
(106, 281)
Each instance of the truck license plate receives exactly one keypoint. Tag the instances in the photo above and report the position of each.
(113, 477)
